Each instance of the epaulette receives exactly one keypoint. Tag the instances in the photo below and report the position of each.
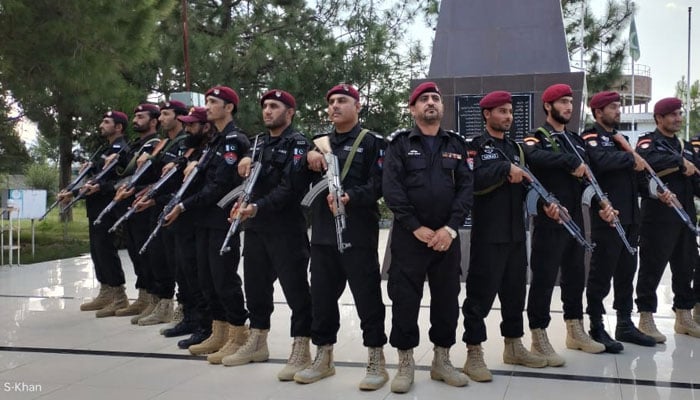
(396, 134)
(376, 135)
(457, 135)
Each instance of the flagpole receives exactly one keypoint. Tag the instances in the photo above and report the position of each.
(687, 90)
(633, 102)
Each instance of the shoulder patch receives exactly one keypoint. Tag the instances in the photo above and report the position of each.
(588, 136)
(396, 134)
(531, 140)
(232, 135)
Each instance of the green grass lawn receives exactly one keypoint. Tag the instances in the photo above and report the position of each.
(53, 239)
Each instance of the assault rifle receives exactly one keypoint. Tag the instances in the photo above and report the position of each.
(656, 185)
(335, 188)
(119, 196)
(242, 193)
(548, 198)
(177, 198)
(603, 199)
(105, 170)
(83, 173)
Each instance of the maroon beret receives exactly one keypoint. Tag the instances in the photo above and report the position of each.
(197, 114)
(345, 89)
(602, 99)
(667, 105)
(224, 93)
(151, 108)
(117, 116)
(495, 99)
(177, 106)
(422, 88)
(556, 92)
(279, 95)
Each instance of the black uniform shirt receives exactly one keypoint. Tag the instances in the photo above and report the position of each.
(96, 202)
(363, 184)
(424, 186)
(614, 169)
(653, 147)
(498, 215)
(282, 182)
(217, 177)
(552, 164)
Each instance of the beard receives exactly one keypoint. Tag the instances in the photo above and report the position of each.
(276, 123)
(195, 140)
(556, 115)
(139, 128)
(611, 122)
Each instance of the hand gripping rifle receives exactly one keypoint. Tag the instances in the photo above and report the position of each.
(335, 188)
(148, 193)
(85, 171)
(656, 185)
(177, 198)
(537, 190)
(105, 170)
(603, 200)
(241, 193)
(119, 196)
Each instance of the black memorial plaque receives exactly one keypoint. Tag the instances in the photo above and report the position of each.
(469, 120)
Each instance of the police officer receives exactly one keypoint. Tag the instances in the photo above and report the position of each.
(695, 141)
(428, 185)
(550, 155)
(145, 124)
(162, 249)
(360, 152)
(498, 258)
(197, 317)
(276, 244)
(664, 238)
(218, 274)
(108, 266)
(615, 170)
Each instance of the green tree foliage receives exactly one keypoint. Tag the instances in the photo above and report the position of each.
(605, 41)
(68, 61)
(693, 107)
(302, 47)
(42, 176)
(13, 154)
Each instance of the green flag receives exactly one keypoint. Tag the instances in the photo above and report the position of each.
(634, 41)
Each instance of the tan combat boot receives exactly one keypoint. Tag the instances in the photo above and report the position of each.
(685, 325)
(404, 376)
(376, 375)
(696, 312)
(161, 314)
(118, 301)
(442, 369)
(299, 359)
(101, 301)
(648, 327)
(152, 301)
(475, 366)
(541, 347)
(322, 366)
(237, 336)
(136, 307)
(253, 350)
(178, 316)
(215, 341)
(516, 354)
(578, 339)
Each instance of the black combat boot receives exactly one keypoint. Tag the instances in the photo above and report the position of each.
(184, 327)
(627, 332)
(599, 334)
(199, 335)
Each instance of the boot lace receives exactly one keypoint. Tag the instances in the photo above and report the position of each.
(404, 365)
(543, 342)
(297, 355)
(374, 362)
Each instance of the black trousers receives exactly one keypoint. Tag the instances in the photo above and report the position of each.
(495, 269)
(137, 229)
(161, 255)
(411, 262)
(696, 280)
(189, 290)
(108, 266)
(660, 244)
(268, 256)
(218, 276)
(330, 271)
(554, 250)
(611, 260)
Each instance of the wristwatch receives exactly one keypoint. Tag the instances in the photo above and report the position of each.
(452, 232)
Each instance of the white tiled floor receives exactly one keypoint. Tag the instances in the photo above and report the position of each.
(48, 345)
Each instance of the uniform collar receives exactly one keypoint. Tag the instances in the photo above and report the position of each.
(416, 132)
